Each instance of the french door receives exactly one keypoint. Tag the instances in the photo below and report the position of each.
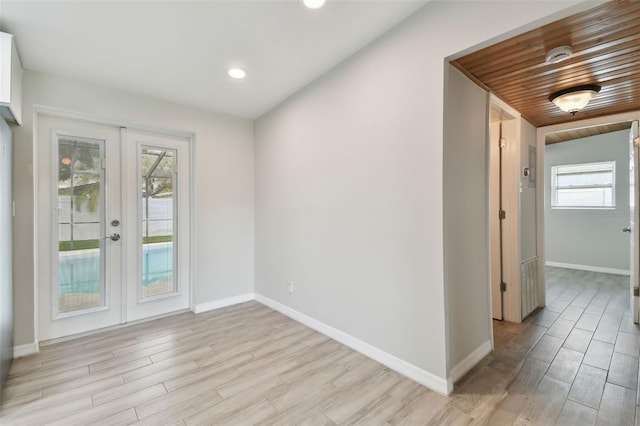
(157, 224)
(112, 226)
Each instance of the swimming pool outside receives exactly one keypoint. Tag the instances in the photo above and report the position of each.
(79, 271)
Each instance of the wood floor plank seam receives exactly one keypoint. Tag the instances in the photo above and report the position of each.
(574, 362)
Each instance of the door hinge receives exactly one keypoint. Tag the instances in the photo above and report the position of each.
(636, 291)
(502, 215)
(104, 163)
(502, 143)
(503, 286)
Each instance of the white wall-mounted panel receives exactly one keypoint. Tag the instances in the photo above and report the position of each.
(10, 79)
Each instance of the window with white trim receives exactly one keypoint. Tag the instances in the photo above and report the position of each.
(584, 186)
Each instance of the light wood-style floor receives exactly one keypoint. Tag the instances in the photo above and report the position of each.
(575, 362)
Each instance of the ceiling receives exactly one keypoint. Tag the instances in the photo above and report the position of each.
(180, 50)
(606, 51)
(583, 132)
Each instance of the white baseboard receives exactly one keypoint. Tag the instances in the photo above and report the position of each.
(25, 350)
(589, 268)
(469, 362)
(421, 376)
(216, 304)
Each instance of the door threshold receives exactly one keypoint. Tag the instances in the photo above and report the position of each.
(110, 328)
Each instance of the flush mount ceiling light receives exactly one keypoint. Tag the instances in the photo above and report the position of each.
(558, 54)
(237, 73)
(313, 4)
(574, 99)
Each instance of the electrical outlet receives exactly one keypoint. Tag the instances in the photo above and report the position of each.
(290, 287)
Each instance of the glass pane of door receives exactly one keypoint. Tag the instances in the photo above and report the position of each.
(158, 213)
(80, 192)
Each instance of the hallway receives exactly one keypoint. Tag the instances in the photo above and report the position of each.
(573, 363)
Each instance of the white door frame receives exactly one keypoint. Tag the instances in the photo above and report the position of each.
(540, 179)
(633, 222)
(39, 110)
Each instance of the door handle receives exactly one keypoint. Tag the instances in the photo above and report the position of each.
(626, 229)
(113, 237)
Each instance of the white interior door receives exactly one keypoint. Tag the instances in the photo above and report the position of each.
(494, 199)
(504, 199)
(634, 199)
(157, 224)
(79, 266)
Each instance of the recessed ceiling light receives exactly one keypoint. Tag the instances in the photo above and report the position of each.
(237, 73)
(313, 4)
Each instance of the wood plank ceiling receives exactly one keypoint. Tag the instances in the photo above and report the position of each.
(606, 51)
(584, 132)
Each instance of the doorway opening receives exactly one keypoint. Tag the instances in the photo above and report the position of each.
(515, 268)
(590, 219)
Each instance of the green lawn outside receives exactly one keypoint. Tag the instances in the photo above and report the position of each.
(92, 244)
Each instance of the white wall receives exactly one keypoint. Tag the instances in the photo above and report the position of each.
(591, 238)
(340, 212)
(528, 228)
(349, 182)
(466, 205)
(224, 186)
